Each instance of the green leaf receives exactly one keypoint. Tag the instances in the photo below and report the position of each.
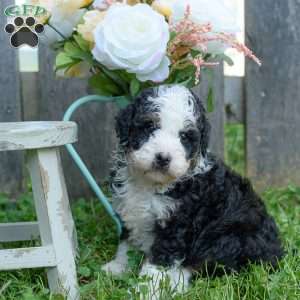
(101, 83)
(135, 87)
(100, 91)
(185, 77)
(82, 43)
(194, 53)
(189, 83)
(114, 76)
(226, 58)
(125, 76)
(62, 61)
(73, 50)
(210, 100)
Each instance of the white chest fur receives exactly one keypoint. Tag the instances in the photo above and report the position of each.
(140, 207)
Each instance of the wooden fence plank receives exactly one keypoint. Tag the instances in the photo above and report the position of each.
(234, 99)
(10, 108)
(273, 92)
(96, 124)
(217, 116)
(31, 99)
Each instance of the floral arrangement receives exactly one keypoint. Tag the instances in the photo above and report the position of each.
(126, 46)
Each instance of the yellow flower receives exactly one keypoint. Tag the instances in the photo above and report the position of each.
(164, 7)
(80, 70)
(91, 19)
(82, 3)
(86, 2)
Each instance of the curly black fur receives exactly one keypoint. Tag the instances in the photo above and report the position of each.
(220, 220)
(134, 124)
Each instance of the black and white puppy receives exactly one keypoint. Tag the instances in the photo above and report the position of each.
(186, 210)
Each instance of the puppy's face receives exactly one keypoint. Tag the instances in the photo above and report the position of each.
(163, 133)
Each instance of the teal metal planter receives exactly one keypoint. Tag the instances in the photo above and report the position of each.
(121, 102)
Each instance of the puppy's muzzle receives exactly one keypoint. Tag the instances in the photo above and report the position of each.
(162, 162)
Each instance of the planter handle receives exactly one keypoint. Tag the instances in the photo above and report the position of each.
(121, 102)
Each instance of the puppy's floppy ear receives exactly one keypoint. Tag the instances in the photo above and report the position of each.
(202, 124)
(123, 123)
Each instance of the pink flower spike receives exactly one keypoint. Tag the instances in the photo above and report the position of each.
(199, 62)
(189, 36)
(233, 43)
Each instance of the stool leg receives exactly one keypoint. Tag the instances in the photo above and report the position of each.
(55, 219)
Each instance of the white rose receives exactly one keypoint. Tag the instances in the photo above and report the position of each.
(222, 17)
(133, 38)
(91, 19)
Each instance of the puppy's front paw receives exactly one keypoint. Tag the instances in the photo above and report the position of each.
(114, 267)
(162, 283)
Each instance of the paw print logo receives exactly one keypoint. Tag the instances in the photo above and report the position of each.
(24, 32)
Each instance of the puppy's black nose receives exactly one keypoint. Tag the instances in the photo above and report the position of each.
(162, 161)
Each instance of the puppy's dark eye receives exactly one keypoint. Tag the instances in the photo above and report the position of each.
(184, 137)
(188, 136)
(190, 141)
(146, 126)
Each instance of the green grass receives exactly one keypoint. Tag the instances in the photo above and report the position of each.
(98, 242)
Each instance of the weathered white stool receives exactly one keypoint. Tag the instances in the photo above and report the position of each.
(55, 223)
